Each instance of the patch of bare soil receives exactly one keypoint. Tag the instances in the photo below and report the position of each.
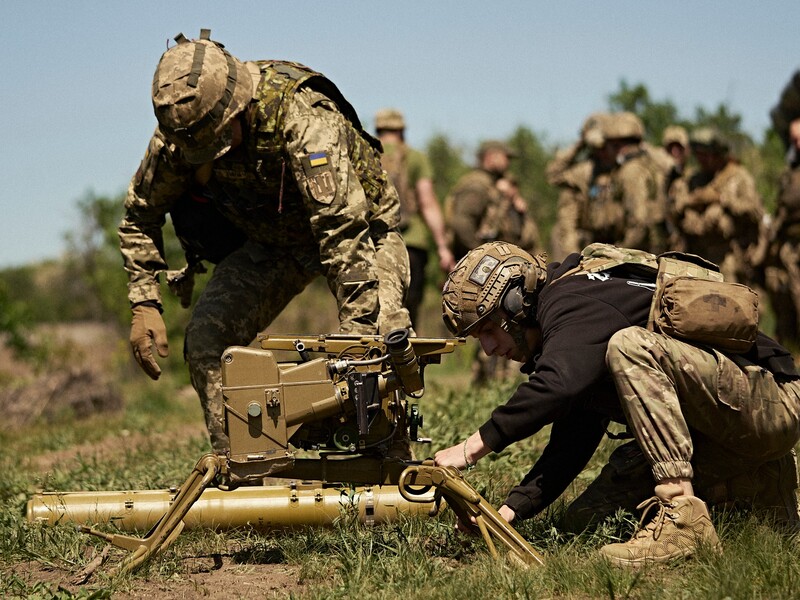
(215, 578)
(79, 390)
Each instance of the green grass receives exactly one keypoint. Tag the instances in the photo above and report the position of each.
(414, 556)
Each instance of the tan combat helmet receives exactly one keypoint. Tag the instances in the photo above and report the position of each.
(710, 139)
(389, 118)
(675, 134)
(592, 129)
(198, 88)
(623, 125)
(492, 276)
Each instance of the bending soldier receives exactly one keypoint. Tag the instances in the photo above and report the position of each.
(700, 416)
(286, 160)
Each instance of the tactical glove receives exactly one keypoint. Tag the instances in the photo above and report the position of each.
(147, 328)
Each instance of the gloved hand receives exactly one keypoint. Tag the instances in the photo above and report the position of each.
(147, 328)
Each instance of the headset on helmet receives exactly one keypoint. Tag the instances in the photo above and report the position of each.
(493, 276)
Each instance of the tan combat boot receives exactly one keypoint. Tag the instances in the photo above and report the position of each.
(679, 528)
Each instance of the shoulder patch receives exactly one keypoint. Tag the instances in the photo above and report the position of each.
(320, 177)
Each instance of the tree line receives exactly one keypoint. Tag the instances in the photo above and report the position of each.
(88, 282)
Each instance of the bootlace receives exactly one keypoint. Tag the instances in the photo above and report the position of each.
(654, 526)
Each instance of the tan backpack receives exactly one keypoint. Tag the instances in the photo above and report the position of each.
(691, 301)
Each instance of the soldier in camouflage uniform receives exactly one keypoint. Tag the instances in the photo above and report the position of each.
(478, 210)
(701, 418)
(287, 161)
(635, 212)
(719, 214)
(675, 142)
(420, 214)
(782, 264)
(580, 172)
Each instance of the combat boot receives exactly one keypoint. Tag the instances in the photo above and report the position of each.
(680, 526)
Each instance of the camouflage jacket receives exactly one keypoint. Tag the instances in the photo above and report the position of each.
(720, 214)
(638, 187)
(306, 176)
(476, 212)
(786, 224)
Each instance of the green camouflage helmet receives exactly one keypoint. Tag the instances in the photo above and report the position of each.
(198, 88)
(477, 287)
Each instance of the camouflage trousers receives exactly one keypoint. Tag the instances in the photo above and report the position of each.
(626, 481)
(248, 290)
(697, 414)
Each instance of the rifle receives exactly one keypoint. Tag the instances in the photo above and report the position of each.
(345, 397)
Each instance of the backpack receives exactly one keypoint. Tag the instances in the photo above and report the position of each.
(691, 301)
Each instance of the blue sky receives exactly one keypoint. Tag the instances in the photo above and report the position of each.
(76, 112)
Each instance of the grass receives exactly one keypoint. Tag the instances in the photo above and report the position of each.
(410, 557)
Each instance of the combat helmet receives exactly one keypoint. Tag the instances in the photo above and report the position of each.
(389, 118)
(198, 88)
(675, 134)
(711, 139)
(591, 132)
(491, 277)
(623, 125)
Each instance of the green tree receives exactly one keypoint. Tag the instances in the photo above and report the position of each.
(529, 168)
(447, 163)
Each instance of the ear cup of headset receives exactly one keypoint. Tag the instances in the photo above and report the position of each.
(513, 303)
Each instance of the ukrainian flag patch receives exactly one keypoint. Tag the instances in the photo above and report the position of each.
(318, 159)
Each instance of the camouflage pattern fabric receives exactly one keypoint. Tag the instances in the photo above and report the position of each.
(626, 481)
(328, 205)
(570, 232)
(719, 219)
(477, 212)
(686, 405)
(782, 262)
(323, 206)
(638, 186)
(466, 208)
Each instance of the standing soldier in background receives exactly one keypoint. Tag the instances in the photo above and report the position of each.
(420, 214)
(675, 142)
(473, 207)
(782, 266)
(286, 160)
(485, 206)
(719, 215)
(578, 172)
(635, 215)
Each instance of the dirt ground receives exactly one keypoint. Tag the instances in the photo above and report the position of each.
(215, 578)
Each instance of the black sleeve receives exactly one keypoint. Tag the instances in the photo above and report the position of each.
(576, 326)
(572, 443)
